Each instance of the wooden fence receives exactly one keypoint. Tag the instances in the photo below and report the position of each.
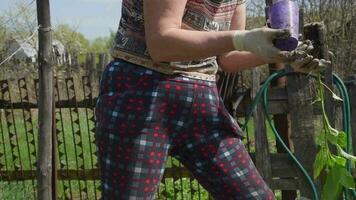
(77, 170)
(78, 175)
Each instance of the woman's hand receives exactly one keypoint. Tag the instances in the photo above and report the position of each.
(167, 41)
(260, 42)
(304, 62)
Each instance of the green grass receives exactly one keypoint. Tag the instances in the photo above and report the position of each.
(17, 190)
(250, 133)
(169, 189)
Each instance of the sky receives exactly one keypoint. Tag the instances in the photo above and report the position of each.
(93, 18)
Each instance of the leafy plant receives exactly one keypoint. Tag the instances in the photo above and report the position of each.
(334, 165)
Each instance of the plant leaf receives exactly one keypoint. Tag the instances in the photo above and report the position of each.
(341, 139)
(332, 187)
(339, 160)
(320, 161)
(332, 138)
(346, 179)
(320, 139)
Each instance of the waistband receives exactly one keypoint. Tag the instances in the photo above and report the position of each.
(165, 77)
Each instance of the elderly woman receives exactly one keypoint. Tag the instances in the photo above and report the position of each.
(158, 97)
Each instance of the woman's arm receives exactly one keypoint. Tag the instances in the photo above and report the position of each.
(167, 41)
(235, 61)
(238, 60)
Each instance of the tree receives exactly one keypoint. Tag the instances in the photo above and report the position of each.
(3, 36)
(99, 45)
(74, 42)
(102, 44)
(17, 23)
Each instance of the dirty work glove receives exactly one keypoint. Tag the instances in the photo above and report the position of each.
(260, 42)
(301, 60)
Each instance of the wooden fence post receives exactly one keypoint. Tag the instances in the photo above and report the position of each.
(45, 188)
(263, 161)
(92, 66)
(316, 32)
(103, 61)
(300, 101)
(302, 125)
(75, 63)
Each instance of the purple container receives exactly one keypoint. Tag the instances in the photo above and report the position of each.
(284, 14)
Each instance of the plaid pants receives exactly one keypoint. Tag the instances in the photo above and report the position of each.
(142, 116)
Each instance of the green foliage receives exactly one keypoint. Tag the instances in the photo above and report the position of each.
(99, 45)
(337, 178)
(102, 44)
(111, 37)
(19, 22)
(332, 187)
(74, 41)
(3, 35)
(321, 161)
(17, 191)
(334, 165)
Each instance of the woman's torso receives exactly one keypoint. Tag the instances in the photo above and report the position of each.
(202, 15)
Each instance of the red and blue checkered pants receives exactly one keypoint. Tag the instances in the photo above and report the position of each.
(142, 116)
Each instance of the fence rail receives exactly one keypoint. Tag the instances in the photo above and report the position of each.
(77, 169)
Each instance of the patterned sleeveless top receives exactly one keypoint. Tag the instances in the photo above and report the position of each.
(201, 15)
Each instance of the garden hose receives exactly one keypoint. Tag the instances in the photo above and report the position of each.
(346, 118)
(263, 94)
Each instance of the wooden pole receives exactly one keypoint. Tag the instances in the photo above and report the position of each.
(316, 32)
(302, 126)
(300, 102)
(281, 120)
(45, 106)
(263, 162)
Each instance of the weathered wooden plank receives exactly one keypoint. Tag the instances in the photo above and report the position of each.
(282, 167)
(262, 162)
(277, 102)
(45, 116)
(59, 104)
(92, 66)
(277, 94)
(93, 174)
(300, 104)
(103, 61)
(279, 106)
(316, 32)
(87, 174)
(284, 184)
